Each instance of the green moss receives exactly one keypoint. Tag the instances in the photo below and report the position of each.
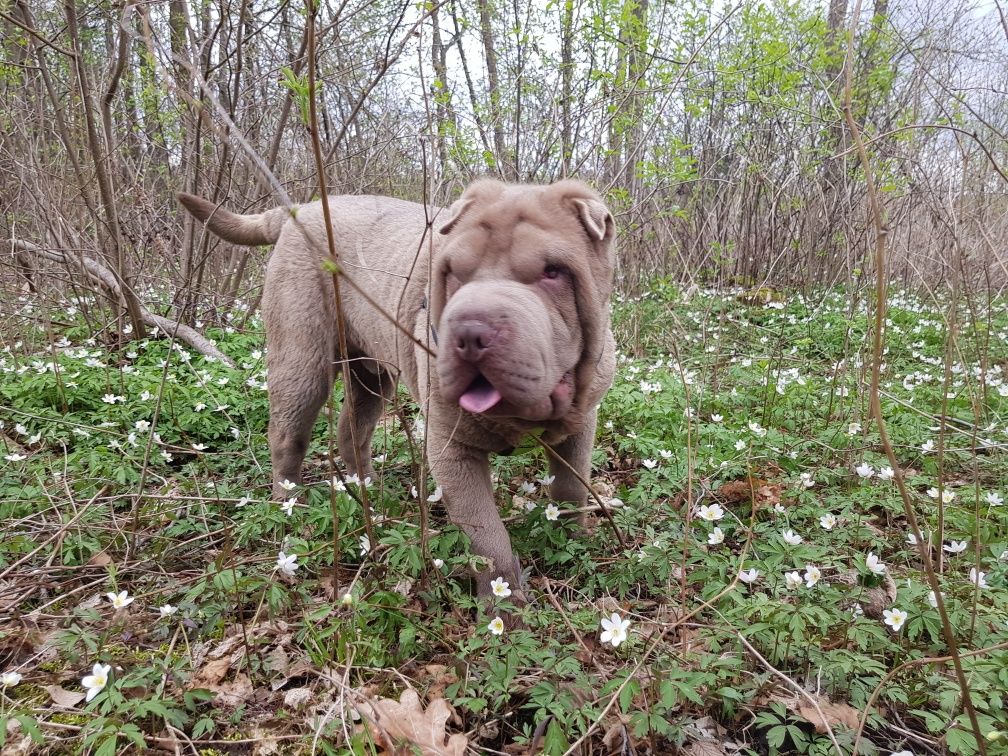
(66, 717)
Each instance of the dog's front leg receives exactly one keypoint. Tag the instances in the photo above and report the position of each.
(464, 476)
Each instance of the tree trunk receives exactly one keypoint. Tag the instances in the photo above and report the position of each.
(831, 172)
(178, 22)
(115, 252)
(630, 66)
(473, 99)
(566, 78)
(118, 50)
(493, 90)
(62, 128)
(439, 92)
(518, 87)
(636, 40)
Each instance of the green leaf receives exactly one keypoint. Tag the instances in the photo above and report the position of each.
(145, 708)
(555, 741)
(108, 745)
(776, 735)
(132, 732)
(203, 726)
(631, 689)
(192, 698)
(30, 726)
(961, 742)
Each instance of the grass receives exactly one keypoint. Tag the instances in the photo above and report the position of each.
(733, 420)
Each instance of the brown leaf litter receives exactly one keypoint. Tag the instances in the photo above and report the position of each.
(404, 727)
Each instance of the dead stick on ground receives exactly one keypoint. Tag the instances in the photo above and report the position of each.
(104, 278)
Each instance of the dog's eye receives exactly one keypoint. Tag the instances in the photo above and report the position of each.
(552, 272)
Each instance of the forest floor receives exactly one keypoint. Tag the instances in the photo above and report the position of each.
(759, 556)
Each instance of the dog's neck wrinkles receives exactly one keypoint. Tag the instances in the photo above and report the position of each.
(504, 437)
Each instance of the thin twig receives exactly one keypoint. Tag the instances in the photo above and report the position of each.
(58, 534)
(881, 234)
(798, 688)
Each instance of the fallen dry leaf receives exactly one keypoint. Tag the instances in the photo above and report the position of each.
(101, 559)
(617, 740)
(439, 677)
(298, 668)
(879, 598)
(17, 743)
(769, 494)
(295, 698)
(834, 713)
(278, 660)
(873, 600)
(266, 743)
(212, 672)
(233, 694)
(705, 749)
(735, 491)
(22, 640)
(227, 645)
(63, 697)
(393, 722)
(738, 491)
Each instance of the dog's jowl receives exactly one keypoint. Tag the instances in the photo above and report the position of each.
(509, 287)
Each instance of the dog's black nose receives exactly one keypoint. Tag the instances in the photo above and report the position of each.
(472, 339)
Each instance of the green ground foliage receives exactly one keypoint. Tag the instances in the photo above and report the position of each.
(736, 439)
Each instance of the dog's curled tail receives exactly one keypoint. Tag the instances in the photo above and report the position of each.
(250, 230)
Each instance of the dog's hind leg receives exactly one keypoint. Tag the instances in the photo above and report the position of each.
(371, 386)
(299, 382)
(574, 455)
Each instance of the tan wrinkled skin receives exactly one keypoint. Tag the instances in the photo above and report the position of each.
(529, 267)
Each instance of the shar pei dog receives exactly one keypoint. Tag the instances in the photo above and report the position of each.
(509, 287)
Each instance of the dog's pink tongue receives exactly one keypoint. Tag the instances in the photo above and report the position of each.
(479, 397)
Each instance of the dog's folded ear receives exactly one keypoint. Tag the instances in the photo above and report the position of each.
(480, 191)
(594, 287)
(455, 212)
(595, 217)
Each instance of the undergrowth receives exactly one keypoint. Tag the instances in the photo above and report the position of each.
(772, 594)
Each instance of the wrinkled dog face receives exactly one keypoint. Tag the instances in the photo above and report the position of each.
(512, 284)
